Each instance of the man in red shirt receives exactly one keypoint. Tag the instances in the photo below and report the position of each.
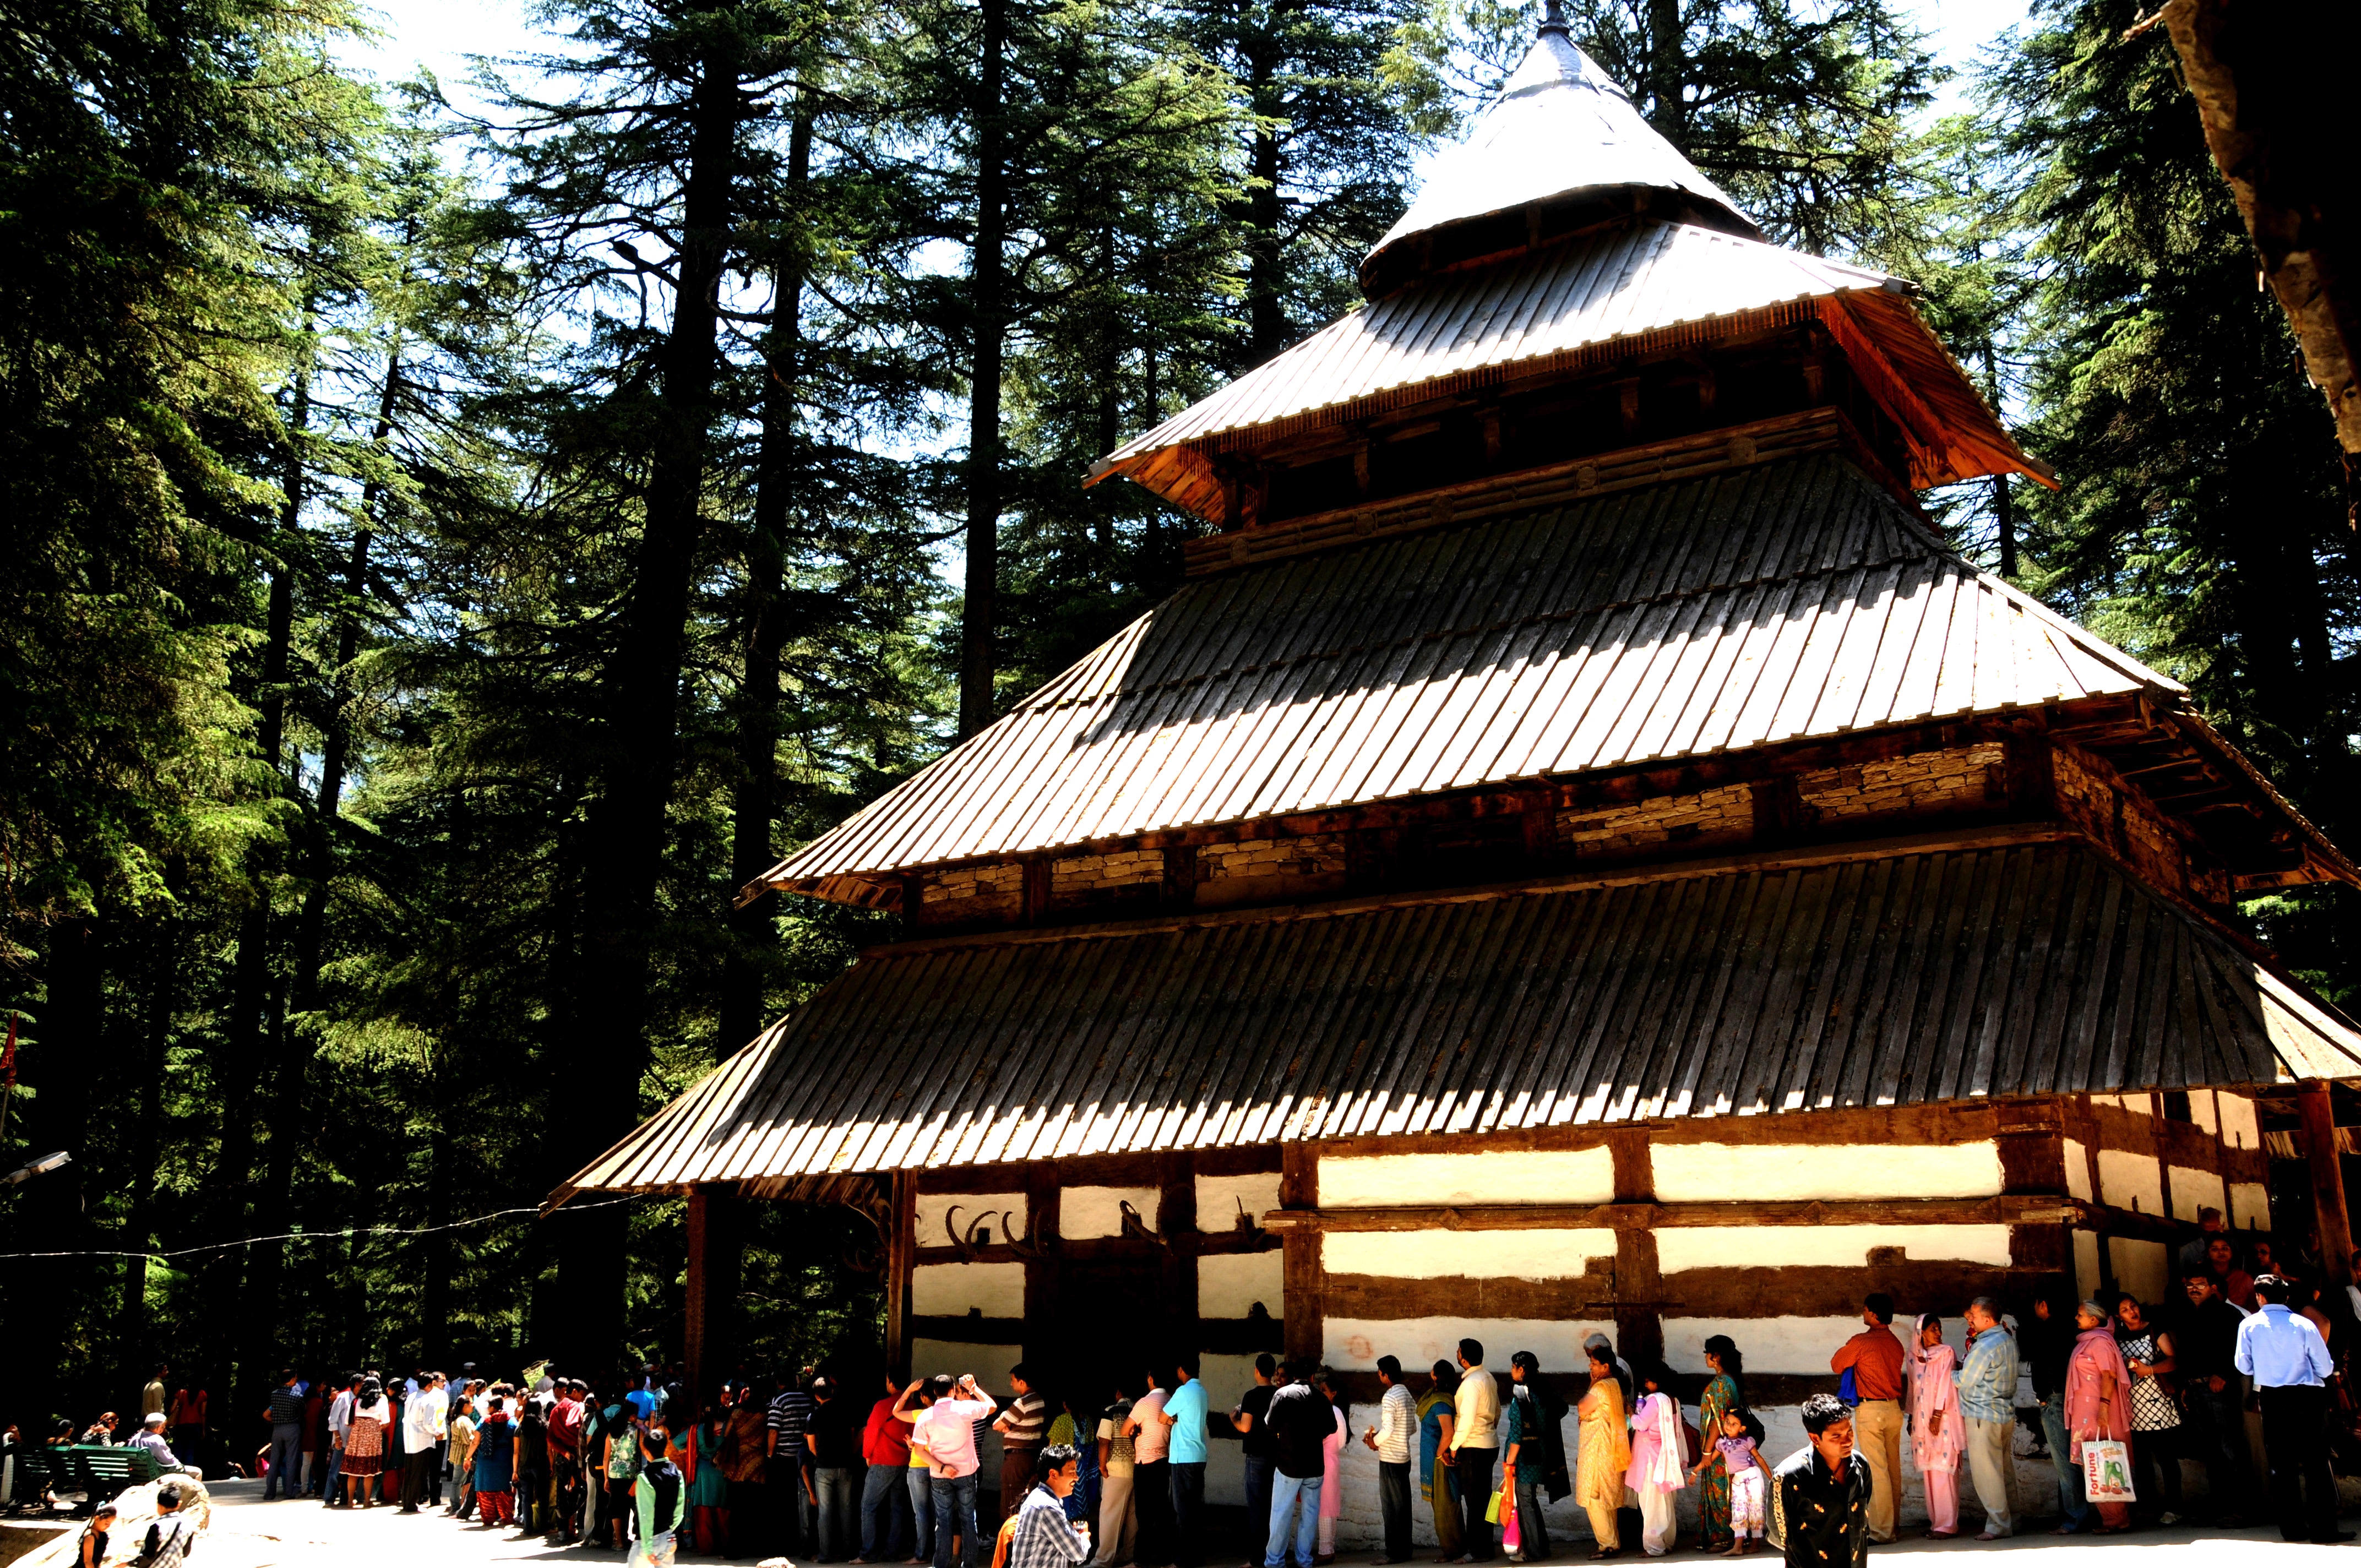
(884, 1496)
(565, 1459)
(1874, 1356)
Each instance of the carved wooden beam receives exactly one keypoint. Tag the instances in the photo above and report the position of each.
(2015, 1209)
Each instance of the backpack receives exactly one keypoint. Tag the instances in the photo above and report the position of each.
(662, 1479)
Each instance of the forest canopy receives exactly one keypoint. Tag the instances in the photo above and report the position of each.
(455, 540)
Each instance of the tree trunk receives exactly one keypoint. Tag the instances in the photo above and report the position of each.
(54, 1062)
(229, 1313)
(627, 831)
(140, 1227)
(1266, 331)
(983, 587)
(2004, 523)
(1668, 72)
(757, 795)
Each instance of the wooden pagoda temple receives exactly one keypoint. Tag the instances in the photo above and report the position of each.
(1580, 851)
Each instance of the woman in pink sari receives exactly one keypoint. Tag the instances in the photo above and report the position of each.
(1936, 1438)
(2098, 1401)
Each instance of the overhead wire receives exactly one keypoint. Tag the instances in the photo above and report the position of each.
(345, 1235)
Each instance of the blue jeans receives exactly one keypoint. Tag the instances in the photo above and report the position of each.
(1258, 1475)
(286, 1463)
(2069, 1475)
(832, 1484)
(1188, 1513)
(922, 1510)
(955, 1515)
(1299, 1495)
(335, 1468)
(881, 1513)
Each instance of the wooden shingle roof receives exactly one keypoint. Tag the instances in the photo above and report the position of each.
(1788, 601)
(1844, 976)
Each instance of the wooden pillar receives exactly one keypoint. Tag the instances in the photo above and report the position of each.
(901, 1250)
(1303, 1309)
(1176, 1222)
(2032, 1138)
(2322, 1160)
(1639, 1280)
(1042, 1190)
(708, 1337)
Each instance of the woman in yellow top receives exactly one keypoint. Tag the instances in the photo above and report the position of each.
(1604, 1455)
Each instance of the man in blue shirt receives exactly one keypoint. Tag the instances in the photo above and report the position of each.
(1184, 1412)
(1988, 1401)
(2288, 1361)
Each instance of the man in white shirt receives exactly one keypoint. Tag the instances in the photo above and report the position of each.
(1475, 1447)
(422, 1428)
(1397, 1428)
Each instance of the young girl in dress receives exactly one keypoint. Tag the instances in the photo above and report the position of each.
(1738, 1448)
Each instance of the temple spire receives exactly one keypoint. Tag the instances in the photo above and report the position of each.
(1561, 149)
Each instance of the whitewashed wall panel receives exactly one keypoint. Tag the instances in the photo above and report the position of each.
(1354, 1345)
(1229, 1284)
(1489, 1255)
(1707, 1173)
(1226, 1379)
(2241, 1129)
(1088, 1212)
(1504, 1176)
(2195, 1190)
(1218, 1198)
(2078, 1172)
(2250, 1206)
(1769, 1344)
(933, 1208)
(2144, 1268)
(2086, 1264)
(949, 1289)
(2128, 1180)
(1783, 1246)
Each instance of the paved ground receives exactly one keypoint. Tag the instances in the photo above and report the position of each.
(249, 1534)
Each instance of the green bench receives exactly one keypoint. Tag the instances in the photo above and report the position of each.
(99, 1472)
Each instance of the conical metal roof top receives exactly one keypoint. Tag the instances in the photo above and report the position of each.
(1562, 147)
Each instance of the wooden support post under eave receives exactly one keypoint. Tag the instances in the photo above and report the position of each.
(1639, 1281)
(1043, 1218)
(901, 1257)
(1304, 1316)
(2327, 1172)
(1176, 1222)
(715, 1239)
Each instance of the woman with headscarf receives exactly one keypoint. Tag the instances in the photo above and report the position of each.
(1603, 1451)
(364, 1444)
(1657, 1469)
(1436, 1414)
(1722, 1395)
(2098, 1400)
(1938, 1438)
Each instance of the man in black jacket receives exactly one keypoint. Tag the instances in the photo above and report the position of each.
(1823, 1491)
(2205, 1341)
(1300, 1419)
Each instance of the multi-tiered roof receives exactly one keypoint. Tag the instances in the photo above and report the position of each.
(1601, 503)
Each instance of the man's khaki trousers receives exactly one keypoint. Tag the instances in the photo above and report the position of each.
(1877, 1433)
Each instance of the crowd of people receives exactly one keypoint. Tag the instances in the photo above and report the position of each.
(1112, 1470)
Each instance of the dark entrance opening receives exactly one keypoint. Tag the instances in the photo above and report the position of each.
(1111, 1319)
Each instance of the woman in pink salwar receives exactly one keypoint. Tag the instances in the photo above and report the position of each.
(2098, 1400)
(1936, 1438)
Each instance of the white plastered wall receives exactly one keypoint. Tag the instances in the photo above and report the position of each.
(1444, 1255)
(2144, 1268)
(1087, 1212)
(2129, 1181)
(1218, 1198)
(1227, 1379)
(933, 1208)
(1354, 1345)
(2077, 1171)
(952, 1289)
(1229, 1284)
(1783, 1246)
(1709, 1173)
(2250, 1206)
(1503, 1176)
(2086, 1264)
(1769, 1344)
(2195, 1190)
(2240, 1127)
